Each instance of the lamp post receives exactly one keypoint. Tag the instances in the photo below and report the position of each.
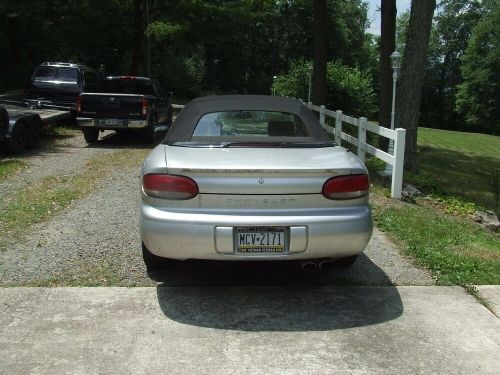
(147, 40)
(396, 65)
(274, 87)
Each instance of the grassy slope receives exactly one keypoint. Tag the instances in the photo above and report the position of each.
(455, 250)
(463, 163)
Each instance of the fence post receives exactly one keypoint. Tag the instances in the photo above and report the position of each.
(398, 164)
(361, 138)
(338, 127)
(322, 115)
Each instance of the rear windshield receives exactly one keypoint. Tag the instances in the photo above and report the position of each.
(127, 86)
(50, 73)
(250, 124)
(67, 75)
(45, 73)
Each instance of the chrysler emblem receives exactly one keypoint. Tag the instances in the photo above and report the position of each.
(261, 180)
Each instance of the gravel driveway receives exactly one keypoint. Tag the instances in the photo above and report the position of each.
(96, 240)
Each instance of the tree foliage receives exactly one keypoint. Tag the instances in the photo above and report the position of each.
(196, 46)
(478, 97)
(349, 89)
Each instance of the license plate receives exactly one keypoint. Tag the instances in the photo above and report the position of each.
(112, 122)
(258, 240)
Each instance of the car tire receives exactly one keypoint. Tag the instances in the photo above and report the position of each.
(149, 132)
(170, 115)
(18, 138)
(152, 261)
(4, 119)
(346, 262)
(91, 135)
(34, 134)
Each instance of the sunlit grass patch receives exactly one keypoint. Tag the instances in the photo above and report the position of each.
(455, 250)
(8, 167)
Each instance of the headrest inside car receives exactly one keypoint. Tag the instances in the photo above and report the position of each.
(280, 129)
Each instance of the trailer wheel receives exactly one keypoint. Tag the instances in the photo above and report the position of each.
(18, 139)
(4, 119)
(34, 133)
(91, 135)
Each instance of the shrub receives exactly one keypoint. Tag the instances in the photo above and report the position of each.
(349, 89)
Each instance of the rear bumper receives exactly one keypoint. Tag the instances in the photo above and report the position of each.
(111, 123)
(332, 233)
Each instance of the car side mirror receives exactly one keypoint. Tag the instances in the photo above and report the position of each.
(160, 132)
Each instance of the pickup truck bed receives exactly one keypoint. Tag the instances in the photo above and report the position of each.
(124, 104)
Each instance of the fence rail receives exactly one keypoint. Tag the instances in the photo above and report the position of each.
(398, 136)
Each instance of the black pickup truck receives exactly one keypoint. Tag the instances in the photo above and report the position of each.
(124, 103)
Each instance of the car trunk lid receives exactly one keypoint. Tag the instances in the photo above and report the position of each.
(261, 170)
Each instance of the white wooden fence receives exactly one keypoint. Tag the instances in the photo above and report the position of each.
(397, 136)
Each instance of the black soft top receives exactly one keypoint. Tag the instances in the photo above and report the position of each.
(183, 127)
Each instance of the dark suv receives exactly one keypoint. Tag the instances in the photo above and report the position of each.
(58, 83)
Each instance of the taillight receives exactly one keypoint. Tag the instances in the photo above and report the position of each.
(79, 104)
(346, 187)
(144, 106)
(169, 186)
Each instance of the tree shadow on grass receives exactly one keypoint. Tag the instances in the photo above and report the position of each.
(276, 296)
(461, 174)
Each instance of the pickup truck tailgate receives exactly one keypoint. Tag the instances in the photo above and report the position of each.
(112, 105)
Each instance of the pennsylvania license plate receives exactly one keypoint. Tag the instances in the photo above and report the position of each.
(258, 240)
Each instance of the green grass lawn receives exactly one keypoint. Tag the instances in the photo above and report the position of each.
(455, 250)
(462, 163)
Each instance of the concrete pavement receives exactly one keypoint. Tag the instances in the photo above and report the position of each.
(492, 295)
(247, 330)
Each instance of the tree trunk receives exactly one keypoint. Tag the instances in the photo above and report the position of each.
(412, 75)
(138, 48)
(320, 55)
(387, 47)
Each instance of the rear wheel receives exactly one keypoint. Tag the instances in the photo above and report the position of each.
(18, 139)
(91, 135)
(347, 261)
(149, 132)
(152, 261)
(34, 134)
(170, 115)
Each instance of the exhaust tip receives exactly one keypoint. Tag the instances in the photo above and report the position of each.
(325, 264)
(309, 266)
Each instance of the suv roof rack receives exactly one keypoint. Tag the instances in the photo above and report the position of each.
(59, 63)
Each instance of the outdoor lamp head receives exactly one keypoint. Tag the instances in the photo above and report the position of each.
(396, 60)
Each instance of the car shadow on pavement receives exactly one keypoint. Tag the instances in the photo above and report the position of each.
(276, 296)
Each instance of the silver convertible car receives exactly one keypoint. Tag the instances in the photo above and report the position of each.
(252, 178)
